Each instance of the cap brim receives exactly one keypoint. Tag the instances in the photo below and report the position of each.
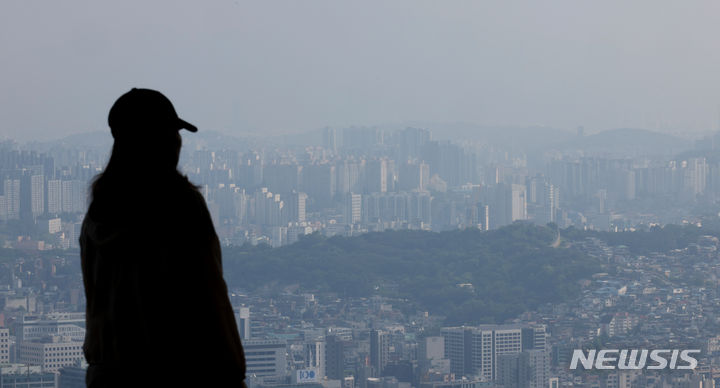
(182, 124)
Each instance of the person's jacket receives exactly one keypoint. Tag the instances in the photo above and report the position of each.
(158, 311)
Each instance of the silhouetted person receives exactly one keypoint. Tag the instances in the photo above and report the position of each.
(158, 313)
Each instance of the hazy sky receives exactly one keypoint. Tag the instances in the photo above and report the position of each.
(287, 66)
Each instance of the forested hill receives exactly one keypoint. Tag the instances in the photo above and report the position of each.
(511, 270)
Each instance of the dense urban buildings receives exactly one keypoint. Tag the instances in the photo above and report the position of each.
(355, 181)
(359, 180)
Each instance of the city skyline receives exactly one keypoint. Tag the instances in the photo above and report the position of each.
(381, 194)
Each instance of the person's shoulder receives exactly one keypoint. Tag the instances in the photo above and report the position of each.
(193, 196)
(190, 199)
(183, 189)
(191, 211)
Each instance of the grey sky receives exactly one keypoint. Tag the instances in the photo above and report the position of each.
(287, 66)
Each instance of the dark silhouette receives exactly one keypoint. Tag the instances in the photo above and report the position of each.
(158, 313)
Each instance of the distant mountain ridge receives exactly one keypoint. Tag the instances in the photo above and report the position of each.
(534, 140)
(103, 139)
(631, 139)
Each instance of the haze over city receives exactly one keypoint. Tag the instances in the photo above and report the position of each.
(381, 194)
(285, 67)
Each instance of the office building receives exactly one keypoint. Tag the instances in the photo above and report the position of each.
(52, 353)
(26, 376)
(72, 377)
(474, 350)
(513, 370)
(431, 354)
(528, 369)
(35, 327)
(539, 365)
(242, 317)
(266, 358)
(4, 346)
(315, 357)
(379, 349)
(334, 357)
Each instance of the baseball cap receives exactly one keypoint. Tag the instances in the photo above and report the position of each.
(143, 108)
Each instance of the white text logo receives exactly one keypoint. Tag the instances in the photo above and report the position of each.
(634, 359)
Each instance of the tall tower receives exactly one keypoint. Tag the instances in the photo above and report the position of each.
(329, 139)
(518, 202)
(379, 348)
(242, 317)
(353, 208)
(315, 357)
(376, 176)
(549, 202)
(12, 198)
(54, 202)
(334, 357)
(32, 194)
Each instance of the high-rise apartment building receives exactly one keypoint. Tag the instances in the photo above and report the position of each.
(330, 139)
(410, 142)
(32, 194)
(11, 192)
(353, 208)
(508, 203)
(295, 207)
(413, 176)
(73, 196)
(54, 196)
(376, 173)
(282, 178)
(349, 174)
(319, 182)
(518, 209)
